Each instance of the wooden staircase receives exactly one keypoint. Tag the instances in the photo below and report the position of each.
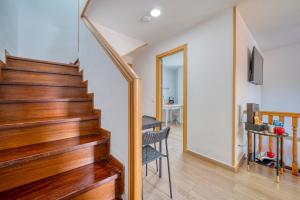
(52, 145)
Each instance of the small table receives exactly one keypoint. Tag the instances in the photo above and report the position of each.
(170, 107)
(149, 122)
(268, 134)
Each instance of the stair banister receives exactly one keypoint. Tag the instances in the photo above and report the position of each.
(295, 125)
(135, 113)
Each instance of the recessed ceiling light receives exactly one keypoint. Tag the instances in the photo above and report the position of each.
(155, 12)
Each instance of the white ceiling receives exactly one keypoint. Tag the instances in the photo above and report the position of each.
(174, 61)
(273, 23)
(177, 15)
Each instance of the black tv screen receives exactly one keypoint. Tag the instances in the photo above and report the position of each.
(256, 68)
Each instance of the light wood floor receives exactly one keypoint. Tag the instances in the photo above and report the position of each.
(193, 179)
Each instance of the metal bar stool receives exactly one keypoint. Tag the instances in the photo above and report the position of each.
(150, 154)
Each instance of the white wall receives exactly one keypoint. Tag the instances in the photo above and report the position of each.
(48, 29)
(40, 29)
(111, 93)
(9, 27)
(170, 84)
(209, 84)
(121, 43)
(280, 91)
(180, 85)
(246, 92)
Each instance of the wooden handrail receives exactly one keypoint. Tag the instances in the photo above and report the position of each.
(124, 68)
(282, 115)
(295, 146)
(135, 111)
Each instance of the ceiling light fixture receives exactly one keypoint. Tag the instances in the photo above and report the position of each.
(155, 12)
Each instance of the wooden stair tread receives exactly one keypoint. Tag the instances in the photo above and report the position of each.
(42, 121)
(41, 61)
(28, 153)
(66, 185)
(42, 71)
(5, 82)
(44, 100)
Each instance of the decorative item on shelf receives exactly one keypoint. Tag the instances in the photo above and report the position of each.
(253, 120)
(256, 119)
(252, 108)
(171, 100)
(256, 127)
(266, 158)
(271, 128)
(278, 123)
(271, 154)
(279, 130)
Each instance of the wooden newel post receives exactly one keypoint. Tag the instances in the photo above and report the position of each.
(260, 139)
(270, 118)
(295, 147)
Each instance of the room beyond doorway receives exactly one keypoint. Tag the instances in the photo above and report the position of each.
(171, 90)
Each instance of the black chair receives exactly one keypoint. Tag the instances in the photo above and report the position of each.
(150, 154)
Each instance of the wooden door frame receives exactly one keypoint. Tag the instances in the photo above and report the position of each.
(159, 73)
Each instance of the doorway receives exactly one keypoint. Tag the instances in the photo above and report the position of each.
(171, 91)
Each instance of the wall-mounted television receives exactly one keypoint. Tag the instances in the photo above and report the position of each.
(256, 67)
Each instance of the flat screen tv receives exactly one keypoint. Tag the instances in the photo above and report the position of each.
(256, 67)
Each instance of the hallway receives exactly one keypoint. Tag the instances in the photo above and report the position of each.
(195, 179)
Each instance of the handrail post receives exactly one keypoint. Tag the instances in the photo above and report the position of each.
(295, 147)
(260, 138)
(135, 140)
(270, 119)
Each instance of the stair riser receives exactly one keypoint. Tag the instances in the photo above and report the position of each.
(20, 174)
(40, 92)
(104, 192)
(34, 77)
(25, 111)
(17, 137)
(22, 64)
